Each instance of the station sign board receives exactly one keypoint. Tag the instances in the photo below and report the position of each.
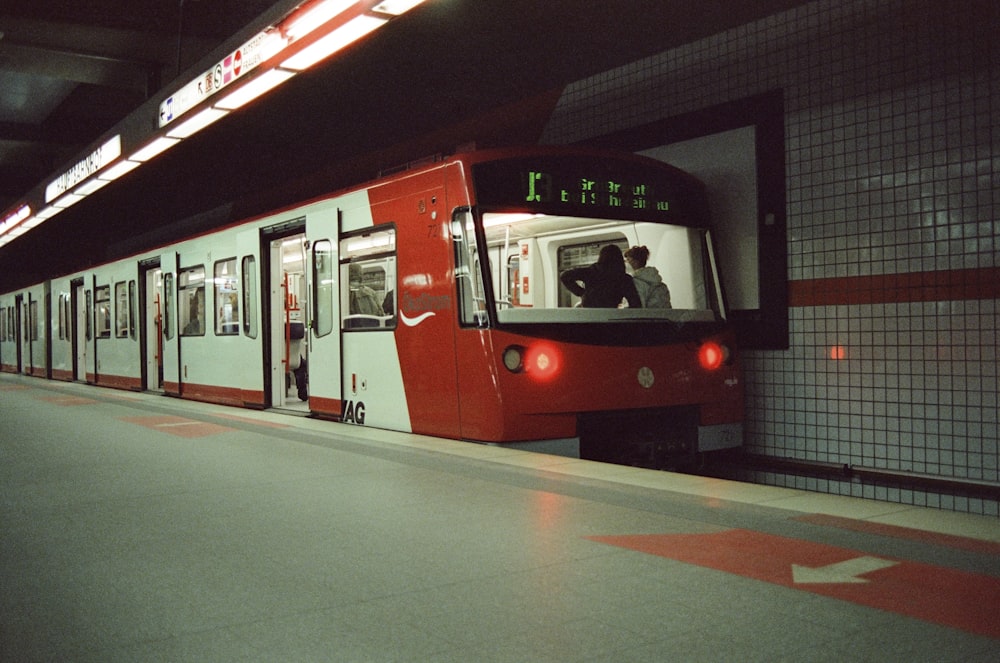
(229, 69)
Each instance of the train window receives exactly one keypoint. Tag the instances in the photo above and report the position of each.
(368, 278)
(468, 275)
(191, 301)
(249, 296)
(573, 256)
(33, 320)
(61, 324)
(102, 304)
(132, 303)
(3, 323)
(227, 303)
(168, 307)
(121, 310)
(323, 285)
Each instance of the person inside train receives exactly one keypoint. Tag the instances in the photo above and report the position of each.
(363, 299)
(652, 290)
(603, 284)
(195, 324)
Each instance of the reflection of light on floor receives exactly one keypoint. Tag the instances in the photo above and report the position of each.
(838, 352)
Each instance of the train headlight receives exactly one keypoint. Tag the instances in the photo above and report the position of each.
(513, 358)
(711, 355)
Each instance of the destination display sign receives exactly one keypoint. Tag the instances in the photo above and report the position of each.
(588, 187)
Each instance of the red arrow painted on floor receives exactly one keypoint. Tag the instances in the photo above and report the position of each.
(936, 594)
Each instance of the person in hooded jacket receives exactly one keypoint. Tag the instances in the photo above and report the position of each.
(652, 290)
(605, 283)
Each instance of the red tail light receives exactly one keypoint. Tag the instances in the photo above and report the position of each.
(542, 361)
(711, 355)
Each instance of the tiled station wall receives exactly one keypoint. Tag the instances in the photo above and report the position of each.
(892, 149)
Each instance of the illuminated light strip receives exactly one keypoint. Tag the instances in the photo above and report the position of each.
(92, 186)
(326, 46)
(158, 146)
(317, 16)
(17, 217)
(118, 170)
(255, 88)
(259, 49)
(48, 212)
(198, 121)
(396, 7)
(68, 200)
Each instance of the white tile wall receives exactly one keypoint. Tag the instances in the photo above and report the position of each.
(892, 168)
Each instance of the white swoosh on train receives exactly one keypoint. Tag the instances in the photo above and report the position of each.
(413, 322)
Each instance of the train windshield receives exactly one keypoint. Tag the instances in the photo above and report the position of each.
(563, 269)
(560, 238)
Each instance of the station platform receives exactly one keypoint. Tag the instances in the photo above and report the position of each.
(137, 527)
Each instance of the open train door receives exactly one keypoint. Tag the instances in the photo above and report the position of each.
(151, 327)
(325, 388)
(168, 329)
(81, 330)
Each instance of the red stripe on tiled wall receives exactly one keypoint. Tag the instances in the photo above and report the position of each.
(940, 286)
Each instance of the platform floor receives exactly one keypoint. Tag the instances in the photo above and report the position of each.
(136, 527)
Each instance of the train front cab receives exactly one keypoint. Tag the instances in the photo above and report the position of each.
(639, 386)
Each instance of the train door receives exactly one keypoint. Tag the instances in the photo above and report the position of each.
(19, 331)
(27, 361)
(325, 381)
(288, 287)
(169, 343)
(151, 331)
(80, 331)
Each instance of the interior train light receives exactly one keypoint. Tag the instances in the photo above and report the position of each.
(316, 16)
(255, 88)
(326, 46)
(711, 355)
(198, 121)
(396, 7)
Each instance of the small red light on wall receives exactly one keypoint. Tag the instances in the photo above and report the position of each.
(838, 352)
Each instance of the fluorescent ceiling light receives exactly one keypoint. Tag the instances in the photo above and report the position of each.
(158, 146)
(33, 222)
(491, 220)
(255, 88)
(197, 122)
(317, 16)
(326, 46)
(48, 212)
(118, 170)
(92, 186)
(68, 200)
(396, 7)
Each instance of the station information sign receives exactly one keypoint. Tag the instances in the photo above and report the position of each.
(92, 163)
(231, 68)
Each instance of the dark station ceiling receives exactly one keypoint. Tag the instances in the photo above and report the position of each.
(71, 70)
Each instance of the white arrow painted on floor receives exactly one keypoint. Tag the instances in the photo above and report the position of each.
(841, 572)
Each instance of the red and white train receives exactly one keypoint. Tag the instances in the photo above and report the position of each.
(473, 336)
